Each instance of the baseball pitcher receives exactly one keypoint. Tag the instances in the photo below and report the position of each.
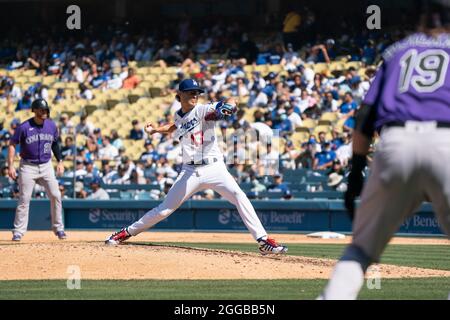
(37, 137)
(203, 167)
(409, 104)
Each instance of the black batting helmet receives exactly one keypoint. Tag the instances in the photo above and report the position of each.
(40, 104)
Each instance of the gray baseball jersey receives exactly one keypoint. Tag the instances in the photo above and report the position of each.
(35, 167)
(412, 90)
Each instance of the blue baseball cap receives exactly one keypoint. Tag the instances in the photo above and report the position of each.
(96, 180)
(190, 85)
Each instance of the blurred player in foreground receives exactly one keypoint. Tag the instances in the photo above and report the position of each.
(409, 104)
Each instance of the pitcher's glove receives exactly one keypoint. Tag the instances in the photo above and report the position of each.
(355, 183)
(224, 110)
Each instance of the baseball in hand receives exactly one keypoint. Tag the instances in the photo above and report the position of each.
(149, 128)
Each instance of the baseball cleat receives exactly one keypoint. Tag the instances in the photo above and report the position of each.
(118, 237)
(61, 235)
(16, 237)
(270, 246)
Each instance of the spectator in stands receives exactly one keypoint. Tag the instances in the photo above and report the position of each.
(306, 157)
(55, 65)
(137, 133)
(114, 82)
(85, 92)
(108, 151)
(291, 25)
(324, 159)
(269, 161)
(80, 193)
(173, 85)
(73, 73)
(318, 53)
(80, 170)
(131, 81)
(278, 185)
(115, 139)
(329, 103)
(85, 127)
(62, 189)
(97, 137)
(60, 96)
(65, 125)
(335, 181)
(294, 117)
(348, 107)
(98, 193)
(289, 155)
(337, 168)
(10, 90)
(121, 177)
(91, 170)
(25, 102)
(290, 58)
(107, 172)
(344, 152)
(68, 150)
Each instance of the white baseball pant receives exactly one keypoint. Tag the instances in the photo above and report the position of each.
(193, 179)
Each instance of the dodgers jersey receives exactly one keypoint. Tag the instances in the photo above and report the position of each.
(413, 83)
(197, 134)
(36, 140)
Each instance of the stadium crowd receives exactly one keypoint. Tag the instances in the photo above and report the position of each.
(282, 103)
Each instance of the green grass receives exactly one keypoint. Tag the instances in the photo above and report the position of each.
(422, 256)
(419, 288)
(426, 256)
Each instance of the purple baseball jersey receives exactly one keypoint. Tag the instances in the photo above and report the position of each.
(35, 141)
(413, 83)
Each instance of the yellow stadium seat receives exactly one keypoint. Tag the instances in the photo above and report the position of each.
(320, 67)
(156, 70)
(354, 64)
(309, 123)
(322, 128)
(299, 137)
(275, 68)
(332, 116)
(29, 73)
(248, 68)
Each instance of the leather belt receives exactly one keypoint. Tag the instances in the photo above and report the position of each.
(403, 124)
(203, 162)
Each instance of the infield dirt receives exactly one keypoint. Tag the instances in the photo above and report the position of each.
(40, 255)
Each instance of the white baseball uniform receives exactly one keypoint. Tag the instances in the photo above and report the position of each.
(203, 168)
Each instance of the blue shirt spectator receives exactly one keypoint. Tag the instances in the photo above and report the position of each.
(278, 185)
(324, 158)
(348, 105)
(25, 102)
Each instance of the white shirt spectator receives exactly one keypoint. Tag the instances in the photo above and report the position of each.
(100, 194)
(16, 94)
(114, 83)
(344, 153)
(295, 119)
(87, 94)
(108, 152)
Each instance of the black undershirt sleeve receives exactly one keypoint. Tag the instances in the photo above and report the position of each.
(56, 148)
(365, 120)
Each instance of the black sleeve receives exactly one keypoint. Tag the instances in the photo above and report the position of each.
(365, 120)
(56, 148)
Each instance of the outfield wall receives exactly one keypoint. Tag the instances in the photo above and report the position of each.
(276, 215)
